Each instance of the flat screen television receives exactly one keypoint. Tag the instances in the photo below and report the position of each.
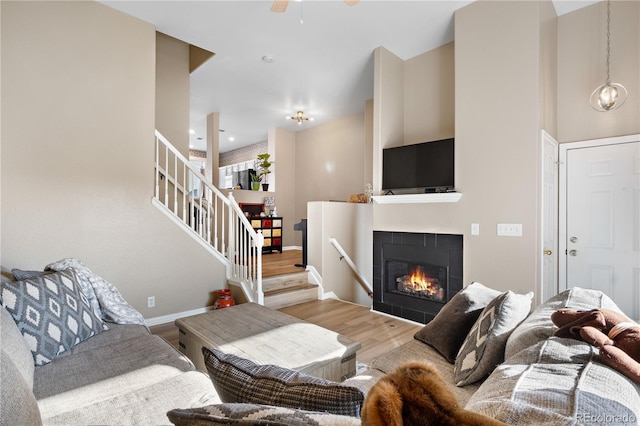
(427, 166)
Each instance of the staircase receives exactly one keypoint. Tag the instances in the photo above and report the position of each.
(219, 225)
(281, 291)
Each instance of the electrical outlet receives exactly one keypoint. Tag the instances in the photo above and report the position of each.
(509, 229)
(151, 302)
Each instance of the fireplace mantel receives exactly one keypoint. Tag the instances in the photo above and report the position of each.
(442, 197)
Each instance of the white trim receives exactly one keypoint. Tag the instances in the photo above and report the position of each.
(562, 195)
(329, 295)
(172, 317)
(314, 275)
(547, 293)
(444, 197)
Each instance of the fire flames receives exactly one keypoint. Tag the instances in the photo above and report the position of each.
(418, 281)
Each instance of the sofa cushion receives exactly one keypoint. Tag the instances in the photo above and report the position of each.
(415, 350)
(115, 361)
(538, 325)
(252, 414)
(17, 403)
(557, 381)
(129, 400)
(448, 330)
(241, 380)
(52, 313)
(15, 348)
(483, 348)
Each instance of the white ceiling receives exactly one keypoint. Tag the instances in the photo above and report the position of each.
(323, 66)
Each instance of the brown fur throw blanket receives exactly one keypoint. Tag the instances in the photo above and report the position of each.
(416, 394)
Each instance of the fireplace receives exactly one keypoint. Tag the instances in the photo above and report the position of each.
(415, 274)
(417, 280)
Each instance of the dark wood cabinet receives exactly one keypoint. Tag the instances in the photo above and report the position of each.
(271, 228)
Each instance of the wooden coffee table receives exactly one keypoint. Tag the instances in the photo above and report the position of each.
(267, 336)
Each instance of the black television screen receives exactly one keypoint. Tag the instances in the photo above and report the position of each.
(428, 166)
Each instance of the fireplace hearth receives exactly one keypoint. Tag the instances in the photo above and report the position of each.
(415, 274)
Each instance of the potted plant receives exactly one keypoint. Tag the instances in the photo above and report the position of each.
(255, 181)
(263, 164)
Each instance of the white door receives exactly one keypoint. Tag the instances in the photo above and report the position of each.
(549, 228)
(602, 238)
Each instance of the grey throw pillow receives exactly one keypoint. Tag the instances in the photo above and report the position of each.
(447, 331)
(240, 380)
(51, 312)
(252, 414)
(20, 274)
(483, 349)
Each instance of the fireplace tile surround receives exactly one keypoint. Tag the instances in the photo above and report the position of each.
(437, 250)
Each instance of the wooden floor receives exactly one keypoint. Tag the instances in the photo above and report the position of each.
(277, 263)
(376, 332)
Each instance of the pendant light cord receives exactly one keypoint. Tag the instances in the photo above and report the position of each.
(608, 39)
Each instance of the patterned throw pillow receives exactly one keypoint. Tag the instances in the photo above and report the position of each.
(252, 414)
(484, 347)
(448, 330)
(51, 312)
(240, 380)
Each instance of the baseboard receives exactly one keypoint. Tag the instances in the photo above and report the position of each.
(397, 318)
(329, 295)
(172, 317)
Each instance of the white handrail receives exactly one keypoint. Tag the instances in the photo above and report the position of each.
(193, 201)
(343, 255)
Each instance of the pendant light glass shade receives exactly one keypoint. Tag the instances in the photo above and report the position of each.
(610, 95)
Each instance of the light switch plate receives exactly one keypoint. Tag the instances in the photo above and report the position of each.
(475, 229)
(509, 229)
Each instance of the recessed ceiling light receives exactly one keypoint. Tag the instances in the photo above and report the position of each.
(231, 139)
(192, 132)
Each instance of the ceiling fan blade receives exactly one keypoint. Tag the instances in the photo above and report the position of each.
(279, 5)
(351, 2)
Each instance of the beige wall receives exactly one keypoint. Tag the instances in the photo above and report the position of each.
(429, 112)
(78, 106)
(329, 162)
(351, 225)
(282, 147)
(172, 91)
(581, 59)
(497, 89)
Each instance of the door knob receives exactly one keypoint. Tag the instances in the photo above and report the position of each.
(573, 239)
(547, 252)
(573, 252)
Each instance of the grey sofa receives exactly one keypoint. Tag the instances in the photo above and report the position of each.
(535, 379)
(543, 380)
(125, 375)
(122, 376)
(64, 361)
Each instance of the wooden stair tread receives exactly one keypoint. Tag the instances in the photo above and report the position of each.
(305, 286)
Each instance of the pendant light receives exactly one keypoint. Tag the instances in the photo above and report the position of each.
(610, 95)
